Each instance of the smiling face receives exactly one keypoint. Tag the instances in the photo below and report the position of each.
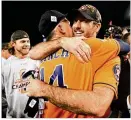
(85, 27)
(22, 46)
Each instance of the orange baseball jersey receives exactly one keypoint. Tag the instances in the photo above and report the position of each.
(64, 70)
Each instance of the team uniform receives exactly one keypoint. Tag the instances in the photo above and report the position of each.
(12, 57)
(4, 102)
(64, 70)
(11, 74)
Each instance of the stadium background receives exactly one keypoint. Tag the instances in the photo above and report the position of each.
(25, 15)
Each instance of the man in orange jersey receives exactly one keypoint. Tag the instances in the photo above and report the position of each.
(75, 45)
(85, 90)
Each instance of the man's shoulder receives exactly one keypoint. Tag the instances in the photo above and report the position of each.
(93, 40)
(11, 58)
(3, 60)
(94, 43)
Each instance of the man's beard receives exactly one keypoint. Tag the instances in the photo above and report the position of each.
(23, 52)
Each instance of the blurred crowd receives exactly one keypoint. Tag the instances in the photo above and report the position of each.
(123, 33)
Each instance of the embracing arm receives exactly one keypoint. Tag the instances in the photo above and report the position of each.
(43, 49)
(75, 45)
(94, 102)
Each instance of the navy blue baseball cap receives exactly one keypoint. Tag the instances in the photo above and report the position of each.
(49, 20)
(88, 11)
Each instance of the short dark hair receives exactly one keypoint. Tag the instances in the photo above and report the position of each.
(19, 34)
(125, 37)
(5, 46)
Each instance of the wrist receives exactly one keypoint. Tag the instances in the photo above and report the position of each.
(45, 90)
(60, 42)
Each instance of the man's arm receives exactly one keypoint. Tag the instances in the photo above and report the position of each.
(75, 45)
(94, 102)
(43, 49)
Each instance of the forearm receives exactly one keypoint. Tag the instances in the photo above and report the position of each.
(43, 49)
(69, 100)
(77, 101)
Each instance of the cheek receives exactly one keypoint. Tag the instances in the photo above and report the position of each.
(19, 47)
(6, 52)
(86, 29)
(28, 44)
(70, 31)
(72, 28)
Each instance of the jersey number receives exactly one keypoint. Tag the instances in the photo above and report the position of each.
(56, 75)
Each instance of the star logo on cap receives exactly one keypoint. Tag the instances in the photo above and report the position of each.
(53, 19)
(92, 8)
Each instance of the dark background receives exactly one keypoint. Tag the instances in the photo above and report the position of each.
(25, 15)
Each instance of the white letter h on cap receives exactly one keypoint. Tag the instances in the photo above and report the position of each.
(53, 19)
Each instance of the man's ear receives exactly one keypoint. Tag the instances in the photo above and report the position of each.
(60, 28)
(98, 25)
(12, 44)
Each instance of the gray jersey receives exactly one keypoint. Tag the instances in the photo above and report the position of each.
(3, 62)
(12, 57)
(4, 101)
(12, 72)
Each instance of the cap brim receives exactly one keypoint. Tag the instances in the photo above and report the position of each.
(73, 14)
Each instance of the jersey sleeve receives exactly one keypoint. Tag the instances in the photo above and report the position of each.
(3, 72)
(108, 75)
(105, 46)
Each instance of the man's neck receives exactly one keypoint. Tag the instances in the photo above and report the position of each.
(20, 56)
(94, 35)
